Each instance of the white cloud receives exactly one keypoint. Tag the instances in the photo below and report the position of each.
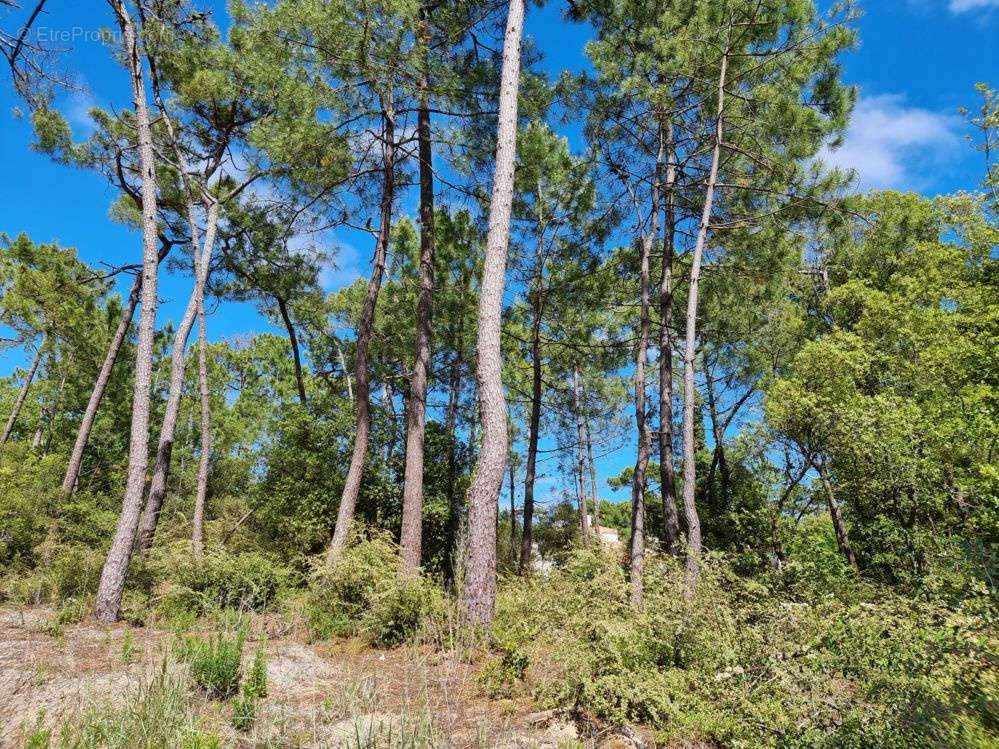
(960, 6)
(892, 146)
(343, 269)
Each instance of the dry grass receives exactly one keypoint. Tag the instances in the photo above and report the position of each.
(316, 691)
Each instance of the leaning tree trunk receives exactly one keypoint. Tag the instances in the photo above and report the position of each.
(178, 361)
(19, 403)
(667, 472)
(112, 582)
(352, 485)
(100, 386)
(295, 354)
(839, 525)
(584, 515)
(198, 529)
(690, 351)
(416, 409)
(479, 595)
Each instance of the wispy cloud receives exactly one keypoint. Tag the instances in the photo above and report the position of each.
(894, 146)
(961, 6)
(344, 267)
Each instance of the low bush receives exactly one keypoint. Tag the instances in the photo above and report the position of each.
(215, 663)
(246, 581)
(763, 662)
(364, 591)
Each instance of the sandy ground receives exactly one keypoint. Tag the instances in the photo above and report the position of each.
(318, 693)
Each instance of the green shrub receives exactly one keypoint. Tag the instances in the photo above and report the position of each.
(244, 713)
(246, 581)
(215, 663)
(748, 662)
(255, 684)
(156, 714)
(397, 608)
(365, 591)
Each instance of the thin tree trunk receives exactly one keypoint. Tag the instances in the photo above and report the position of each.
(293, 340)
(112, 582)
(19, 403)
(513, 514)
(352, 485)
(416, 410)
(667, 471)
(346, 372)
(178, 363)
(690, 351)
(451, 417)
(839, 525)
(584, 514)
(198, 530)
(533, 428)
(100, 386)
(717, 435)
(637, 551)
(594, 497)
(479, 595)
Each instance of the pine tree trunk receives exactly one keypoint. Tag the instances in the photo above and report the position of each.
(352, 485)
(100, 386)
(178, 363)
(296, 355)
(513, 514)
(112, 582)
(346, 372)
(479, 595)
(19, 403)
(667, 471)
(690, 351)
(594, 497)
(416, 409)
(198, 530)
(836, 514)
(533, 433)
(637, 551)
(584, 514)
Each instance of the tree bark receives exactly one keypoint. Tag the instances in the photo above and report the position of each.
(479, 595)
(198, 529)
(534, 423)
(637, 551)
(346, 372)
(100, 386)
(513, 514)
(416, 409)
(667, 471)
(584, 514)
(296, 355)
(690, 351)
(594, 497)
(178, 363)
(839, 525)
(112, 582)
(19, 403)
(352, 485)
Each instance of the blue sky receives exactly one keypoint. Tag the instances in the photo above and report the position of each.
(917, 63)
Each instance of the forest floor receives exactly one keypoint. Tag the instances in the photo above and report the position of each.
(327, 694)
